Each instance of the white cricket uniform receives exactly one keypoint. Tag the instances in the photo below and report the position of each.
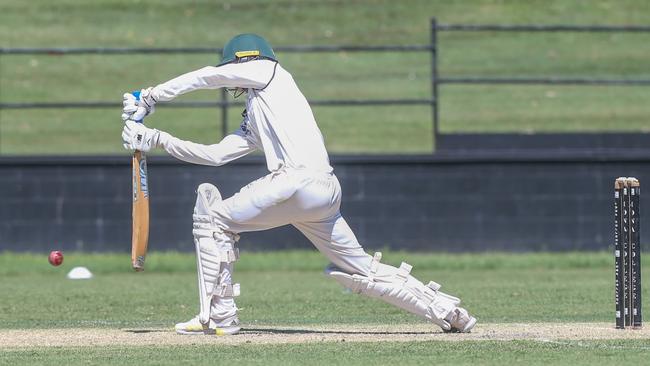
(300, 189)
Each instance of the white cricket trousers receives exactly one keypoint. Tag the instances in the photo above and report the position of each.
(309, 201)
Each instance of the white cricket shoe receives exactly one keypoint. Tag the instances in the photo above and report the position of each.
(460, 321)
(227, 326)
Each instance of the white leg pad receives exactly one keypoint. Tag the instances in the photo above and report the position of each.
(397, 287)
(215, 253)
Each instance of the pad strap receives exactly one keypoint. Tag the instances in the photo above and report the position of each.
(229, 256)
(374, 265)
(226, 290)
(434, 286)
(403, 272)
(219, 256)
(430, 296)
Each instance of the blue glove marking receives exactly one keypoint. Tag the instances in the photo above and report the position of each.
(136, 94)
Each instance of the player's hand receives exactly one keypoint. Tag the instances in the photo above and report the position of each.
(137, 136)
(145, 105)
(129, 106)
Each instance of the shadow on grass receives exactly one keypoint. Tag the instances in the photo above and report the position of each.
(144, 331)
(314, 331)
(290, 331)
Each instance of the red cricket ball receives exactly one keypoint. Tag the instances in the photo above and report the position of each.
(55, 258)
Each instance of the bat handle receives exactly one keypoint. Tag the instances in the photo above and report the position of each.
(136, 94)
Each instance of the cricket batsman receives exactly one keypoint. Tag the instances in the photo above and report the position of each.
(300, 189)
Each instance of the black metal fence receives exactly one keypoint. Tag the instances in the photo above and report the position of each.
(223, 103)
(437, 79)
(432, 48)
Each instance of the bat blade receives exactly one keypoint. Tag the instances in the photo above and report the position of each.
(140, 238)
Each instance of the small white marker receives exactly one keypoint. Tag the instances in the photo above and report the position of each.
(79, 273)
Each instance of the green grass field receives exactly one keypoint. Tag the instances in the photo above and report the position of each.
(121, 23)
(288, 289)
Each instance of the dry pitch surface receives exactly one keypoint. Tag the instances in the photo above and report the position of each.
(543, 332)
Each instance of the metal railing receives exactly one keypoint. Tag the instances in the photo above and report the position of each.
(223, 103)
(436, 80)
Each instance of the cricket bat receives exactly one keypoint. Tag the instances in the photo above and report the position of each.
(140, 237)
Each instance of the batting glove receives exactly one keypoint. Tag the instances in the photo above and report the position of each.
(137, 136)
(136, 110)
(130, 105)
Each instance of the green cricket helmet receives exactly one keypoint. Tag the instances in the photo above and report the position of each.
(244, 46)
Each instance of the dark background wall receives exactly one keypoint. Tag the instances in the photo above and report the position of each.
(472, 202)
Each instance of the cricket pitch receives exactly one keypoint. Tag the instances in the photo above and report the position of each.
(543, 332)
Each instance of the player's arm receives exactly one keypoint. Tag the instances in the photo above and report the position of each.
(231, 147)
(136, 136)
(248, 75)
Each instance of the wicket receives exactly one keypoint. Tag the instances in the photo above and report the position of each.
(627, 252)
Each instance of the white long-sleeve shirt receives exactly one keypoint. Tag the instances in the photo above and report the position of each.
(279, 121)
